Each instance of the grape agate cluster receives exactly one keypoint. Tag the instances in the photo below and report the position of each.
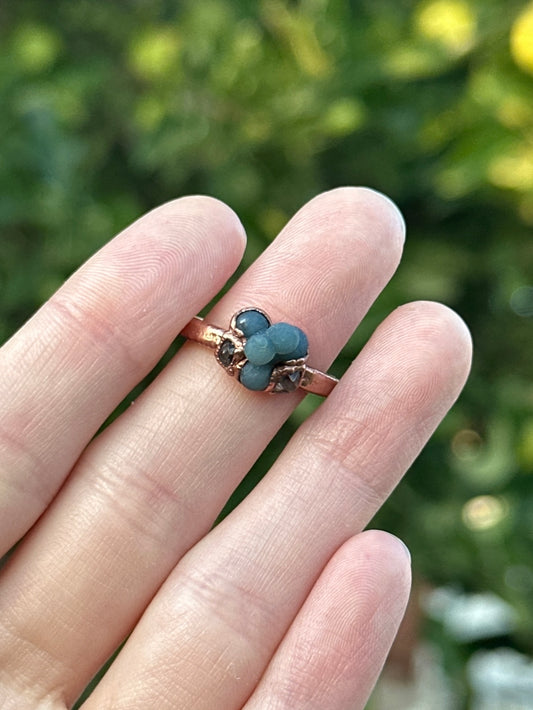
(272, 355)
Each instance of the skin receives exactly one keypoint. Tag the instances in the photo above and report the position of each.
(287, 603)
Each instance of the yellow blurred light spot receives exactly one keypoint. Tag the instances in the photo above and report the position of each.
(412, 63)
(149, 113)
(309, 54)
(257, 129)
(247, 41)
(451, 23)
(515, 111)
(453, 183)
(513, 171)
(525, 446)
(155, 53)
(466, 444)
(488, 87)
(300, 33)
(484, 512)
(522, 39)
(343, 116)
(36, 47)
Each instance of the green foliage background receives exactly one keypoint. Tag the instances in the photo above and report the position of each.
(109, 109)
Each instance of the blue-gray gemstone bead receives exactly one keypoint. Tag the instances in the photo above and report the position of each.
(259, 349)
(251, 321)
(284, 337)
(302, 347)
(255, 377)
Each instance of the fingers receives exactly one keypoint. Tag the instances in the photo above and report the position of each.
(151, 485)
(335, 648)
(222, 613)
(73, 362)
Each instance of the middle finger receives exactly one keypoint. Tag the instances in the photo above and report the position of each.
(151, 485)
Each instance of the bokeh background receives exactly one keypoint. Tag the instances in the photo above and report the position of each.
(108, 109)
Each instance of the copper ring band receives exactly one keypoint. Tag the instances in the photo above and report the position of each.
(212, 336)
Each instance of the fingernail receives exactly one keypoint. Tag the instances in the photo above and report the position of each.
(407, 551)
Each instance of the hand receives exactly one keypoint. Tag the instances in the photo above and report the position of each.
(286, 604)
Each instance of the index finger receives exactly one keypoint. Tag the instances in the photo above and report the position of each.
(64, 372)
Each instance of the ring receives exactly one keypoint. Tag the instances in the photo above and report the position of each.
(264, 357)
